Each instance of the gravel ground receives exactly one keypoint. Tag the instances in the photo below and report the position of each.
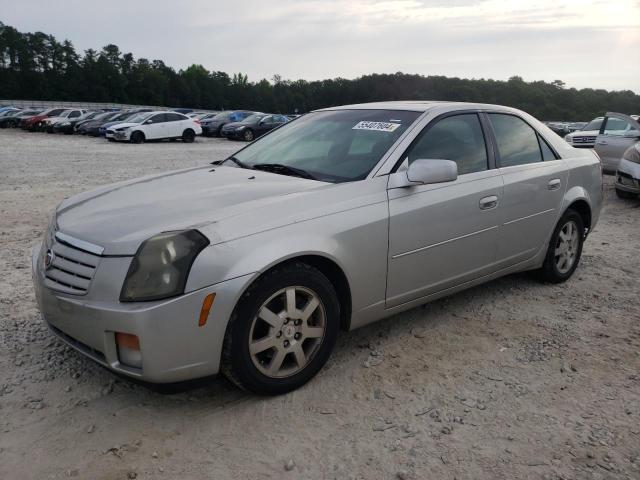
(512, 379)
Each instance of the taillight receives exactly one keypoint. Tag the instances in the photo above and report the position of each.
(197, 121)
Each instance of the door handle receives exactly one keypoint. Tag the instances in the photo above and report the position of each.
(554, 184)
(489, 202)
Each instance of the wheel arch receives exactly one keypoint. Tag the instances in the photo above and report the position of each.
(328, 267)
(577, 198)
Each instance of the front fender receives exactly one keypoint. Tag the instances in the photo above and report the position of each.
(355, 240)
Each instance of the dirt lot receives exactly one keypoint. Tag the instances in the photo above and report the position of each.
(513, 379)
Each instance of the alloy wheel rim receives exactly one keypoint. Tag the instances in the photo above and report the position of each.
(287, 332)
(567, 247)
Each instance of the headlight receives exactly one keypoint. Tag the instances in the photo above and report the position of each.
(161, 266)
(568, 139)
(65, 124)
(240, 128)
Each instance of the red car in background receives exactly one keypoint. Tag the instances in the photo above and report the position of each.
(32, 123)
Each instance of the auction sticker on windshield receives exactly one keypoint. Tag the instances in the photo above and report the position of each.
(378, 126)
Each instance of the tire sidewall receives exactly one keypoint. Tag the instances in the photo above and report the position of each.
(248, 133)
(550, 263)
(188, 136)
(241, 363)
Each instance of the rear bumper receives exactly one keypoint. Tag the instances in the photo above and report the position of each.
(173, 347)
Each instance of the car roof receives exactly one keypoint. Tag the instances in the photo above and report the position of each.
(415, 105)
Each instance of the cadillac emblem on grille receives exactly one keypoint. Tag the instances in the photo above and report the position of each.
(48, 259)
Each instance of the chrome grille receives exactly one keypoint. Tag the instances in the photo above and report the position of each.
(71, 268)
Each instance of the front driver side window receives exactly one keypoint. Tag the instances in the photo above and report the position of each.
(616, 127)
(458, 138)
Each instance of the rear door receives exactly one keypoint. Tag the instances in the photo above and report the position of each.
(444, 234)
(617, 133)
(175, 124)
(535, 179)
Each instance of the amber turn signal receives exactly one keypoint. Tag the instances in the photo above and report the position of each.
(206, 307)
(127, 340)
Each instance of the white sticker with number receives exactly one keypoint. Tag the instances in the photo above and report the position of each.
(377, 126)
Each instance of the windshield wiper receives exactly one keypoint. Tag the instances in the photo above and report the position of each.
(284, 170)
(233, 159)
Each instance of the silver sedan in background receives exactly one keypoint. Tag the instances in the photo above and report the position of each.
(347, 215)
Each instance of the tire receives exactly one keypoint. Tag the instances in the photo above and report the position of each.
(558, 267)
(248, 135)
(219, 131)
(188, 136)
(136, 137)
(111, 139)
(625, 195)
(281, 367)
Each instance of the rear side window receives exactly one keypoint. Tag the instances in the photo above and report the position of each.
(74, 114)
(547, 153)
(517, 141)
(175, 117)
(458, 138)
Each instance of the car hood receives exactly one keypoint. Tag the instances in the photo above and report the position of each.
(113, 126)
(584, 133)
(232, 125)
(121, 216)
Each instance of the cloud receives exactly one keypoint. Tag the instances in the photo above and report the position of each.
(585, 42)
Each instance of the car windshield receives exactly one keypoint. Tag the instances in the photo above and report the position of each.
(594, 124)
(332, 146)
(141, 117)
(254, 118)
(222, 116)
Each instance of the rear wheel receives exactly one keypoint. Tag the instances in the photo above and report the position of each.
(188, 136)
(565, 249)
(624, 195)
(136, 137)
(282, 331)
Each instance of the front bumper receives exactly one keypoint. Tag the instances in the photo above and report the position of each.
(628, 176)
(173, 347)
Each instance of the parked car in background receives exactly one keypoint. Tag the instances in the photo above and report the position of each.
(156, 126)
(34, 123)
(212, 127)
(585, 138)
(617, 133)
(13, 118)
(123, 117)
(338, 219)
(67, 126)
(253, 126)
(79, 127)
(628, 173)
(575, 126)
(16, 121)
(64, 116)
(9, 111)
(92, 127)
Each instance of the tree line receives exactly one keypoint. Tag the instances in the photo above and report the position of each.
(36, 66)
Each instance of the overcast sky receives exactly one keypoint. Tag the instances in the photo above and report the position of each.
(586, 43)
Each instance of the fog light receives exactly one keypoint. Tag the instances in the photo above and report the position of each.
(129, 353)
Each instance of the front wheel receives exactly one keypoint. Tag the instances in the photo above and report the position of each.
(565, 249)
(282, 331)
(136, 137)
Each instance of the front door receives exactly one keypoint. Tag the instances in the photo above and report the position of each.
(442, 235)
(617, 133)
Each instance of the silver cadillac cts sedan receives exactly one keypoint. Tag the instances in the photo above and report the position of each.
(342, 217)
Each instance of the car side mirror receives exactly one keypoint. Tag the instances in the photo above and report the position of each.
(148, 122)
(425, 172)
